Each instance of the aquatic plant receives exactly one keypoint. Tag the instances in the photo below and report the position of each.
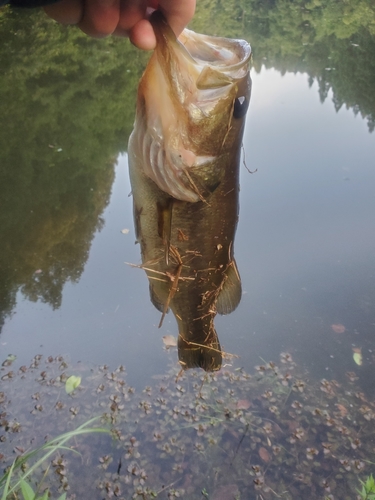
(367, 491)
(231, 434)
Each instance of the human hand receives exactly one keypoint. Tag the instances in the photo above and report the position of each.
(99, 18)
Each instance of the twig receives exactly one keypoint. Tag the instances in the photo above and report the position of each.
(239, 444)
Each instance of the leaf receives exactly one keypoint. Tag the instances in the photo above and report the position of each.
(338, 328)
(357, 355)
(370, 484)
(357, 358)
(63, 497)
(72, 383)
(243, 404)
(27, 491)
(342, 409)
(264, 455)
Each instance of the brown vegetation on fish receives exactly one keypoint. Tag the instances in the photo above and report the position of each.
(184, 156)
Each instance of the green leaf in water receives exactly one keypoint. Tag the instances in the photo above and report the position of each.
(9, 360)
(357, 356)
(368, 488)
(72, 383)
(27, 491)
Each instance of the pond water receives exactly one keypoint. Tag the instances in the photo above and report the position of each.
(305, 244)
(304, 248)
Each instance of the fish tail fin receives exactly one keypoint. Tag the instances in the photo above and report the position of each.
(206, 354)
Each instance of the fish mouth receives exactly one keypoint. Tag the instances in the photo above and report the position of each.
(215, 62)
(229, 56)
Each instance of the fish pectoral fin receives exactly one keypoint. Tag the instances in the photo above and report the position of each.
(204, 176)
(230, 294)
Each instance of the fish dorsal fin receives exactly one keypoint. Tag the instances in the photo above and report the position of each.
(211, 78)
(230, 295)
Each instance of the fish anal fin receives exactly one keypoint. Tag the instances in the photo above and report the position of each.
(230, 294)
(155, 299)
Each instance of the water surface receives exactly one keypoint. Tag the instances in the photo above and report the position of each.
(305, 244)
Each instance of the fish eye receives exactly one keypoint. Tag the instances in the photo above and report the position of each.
(240, 106)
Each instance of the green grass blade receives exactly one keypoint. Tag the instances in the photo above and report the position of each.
(44, 497)
(8, 476)
(50, 448)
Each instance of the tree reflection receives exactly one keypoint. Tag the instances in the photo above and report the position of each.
(331, 40)
(66, 107)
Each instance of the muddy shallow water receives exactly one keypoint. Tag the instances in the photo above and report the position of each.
(270, 434)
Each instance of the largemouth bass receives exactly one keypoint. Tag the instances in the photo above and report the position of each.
(184, 156)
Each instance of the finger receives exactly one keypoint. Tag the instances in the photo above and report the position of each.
(142, 35)
(65, 11)
(131, 12)
(177, 13)
(100, 17)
